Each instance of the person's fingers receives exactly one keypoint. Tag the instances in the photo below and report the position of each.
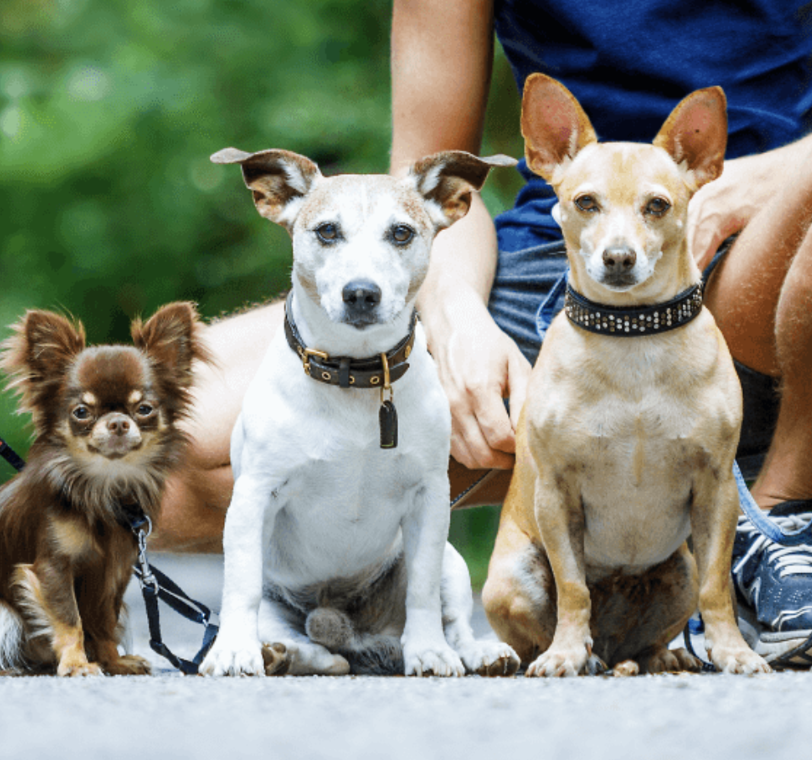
(492, 417)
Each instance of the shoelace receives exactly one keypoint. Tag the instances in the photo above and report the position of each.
(788, 560)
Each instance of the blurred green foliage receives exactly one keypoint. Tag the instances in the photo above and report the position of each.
(109, 110)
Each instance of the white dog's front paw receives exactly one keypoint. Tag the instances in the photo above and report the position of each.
(490, 658)
(438, 659)
(237, 658)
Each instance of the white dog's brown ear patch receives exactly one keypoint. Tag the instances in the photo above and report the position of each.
(554, 126)
(695, 134)
(278, 179)
(447, 180)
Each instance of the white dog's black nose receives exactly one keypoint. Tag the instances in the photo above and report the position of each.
(360, 299)
(619, 259)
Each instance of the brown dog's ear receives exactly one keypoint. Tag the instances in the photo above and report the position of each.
(171, 338)
(696, 134)
(38, 354)
(278, 179)
(447, 180)
(554, 126)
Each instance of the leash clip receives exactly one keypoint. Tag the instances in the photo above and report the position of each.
(146, 578)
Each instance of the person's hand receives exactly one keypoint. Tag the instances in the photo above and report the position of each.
(722, 208)
(479, 366)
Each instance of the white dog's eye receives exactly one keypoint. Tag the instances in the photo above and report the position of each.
(328, 233)
(657, 206)
(401, 234)
(586, 203)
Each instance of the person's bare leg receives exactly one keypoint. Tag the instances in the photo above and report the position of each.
(761, 297)
(196, 497)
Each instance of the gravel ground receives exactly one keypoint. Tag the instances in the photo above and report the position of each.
(173, 716)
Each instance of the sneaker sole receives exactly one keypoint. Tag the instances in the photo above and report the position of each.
(779, 648)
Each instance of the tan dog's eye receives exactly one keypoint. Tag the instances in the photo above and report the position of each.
(81, 413)
(401, 234)
(657, 206)
(144, 410)
(328, 233)
(586, 203)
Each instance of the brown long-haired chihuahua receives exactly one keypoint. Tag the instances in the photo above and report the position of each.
(105, 419)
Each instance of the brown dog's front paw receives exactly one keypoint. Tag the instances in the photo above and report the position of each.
(129, 665)
(559, 662)
(740, 660)
(79, 669)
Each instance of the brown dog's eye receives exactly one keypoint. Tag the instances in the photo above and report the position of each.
(145, 410)
(401, 234)
(586, 203)
(657, 206)
(328, 233)
(81, 413)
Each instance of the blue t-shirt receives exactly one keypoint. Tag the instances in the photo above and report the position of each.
(629, 62)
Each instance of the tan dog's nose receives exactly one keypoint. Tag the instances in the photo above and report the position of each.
(619, 259)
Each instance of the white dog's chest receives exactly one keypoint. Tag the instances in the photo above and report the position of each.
(339, 517)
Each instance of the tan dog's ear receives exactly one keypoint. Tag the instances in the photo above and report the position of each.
(37, 356)
(554, 125)
(447, 180)
(278, 179)
(696, 134)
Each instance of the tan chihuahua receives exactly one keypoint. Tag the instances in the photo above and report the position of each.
(626, 442)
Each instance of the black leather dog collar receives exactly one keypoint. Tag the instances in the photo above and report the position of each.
(623, 322)
(345, 371)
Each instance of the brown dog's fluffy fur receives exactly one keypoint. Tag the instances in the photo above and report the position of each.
(105, 419)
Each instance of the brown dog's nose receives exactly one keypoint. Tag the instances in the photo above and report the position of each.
(619, 259)
(118, 425)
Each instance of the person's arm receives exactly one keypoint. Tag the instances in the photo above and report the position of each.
(726, 205)
(442, 53)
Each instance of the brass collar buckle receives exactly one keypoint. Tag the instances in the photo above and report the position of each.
(306, 353)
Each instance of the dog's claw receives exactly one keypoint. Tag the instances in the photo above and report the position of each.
(435, 661)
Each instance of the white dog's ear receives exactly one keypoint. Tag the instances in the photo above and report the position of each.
(554, 126)
(278, 179)
(695, 135)
(447, 180)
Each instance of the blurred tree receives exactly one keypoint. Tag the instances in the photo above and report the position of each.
(109, 111)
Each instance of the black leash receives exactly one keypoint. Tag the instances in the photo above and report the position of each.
(155, 585)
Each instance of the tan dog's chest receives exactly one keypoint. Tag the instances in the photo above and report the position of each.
(625, 429)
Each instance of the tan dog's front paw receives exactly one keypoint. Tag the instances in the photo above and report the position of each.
(740, 660)
(559, 662)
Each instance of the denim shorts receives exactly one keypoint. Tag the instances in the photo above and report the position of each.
(528, 291)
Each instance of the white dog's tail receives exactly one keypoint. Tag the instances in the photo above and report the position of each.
(12, 637)
(369, 654)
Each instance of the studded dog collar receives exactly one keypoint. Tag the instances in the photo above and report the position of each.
(623, 322)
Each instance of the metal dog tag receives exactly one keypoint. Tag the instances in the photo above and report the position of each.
(388, 419)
